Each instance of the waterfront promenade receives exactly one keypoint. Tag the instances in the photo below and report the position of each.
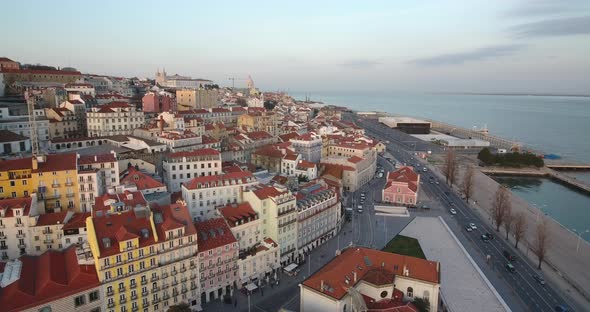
(541, 172)
(563, 265)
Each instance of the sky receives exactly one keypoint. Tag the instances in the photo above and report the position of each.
(308, 46)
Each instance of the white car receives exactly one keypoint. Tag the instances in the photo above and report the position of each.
(453, 211)
(473, 226)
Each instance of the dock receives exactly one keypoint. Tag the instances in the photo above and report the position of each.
(541, 172)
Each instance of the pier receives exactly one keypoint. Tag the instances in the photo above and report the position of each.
(542, 172)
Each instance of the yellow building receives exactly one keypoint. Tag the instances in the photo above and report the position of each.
(144, 259)
(52, 177)
(259, 121)
(187, 99)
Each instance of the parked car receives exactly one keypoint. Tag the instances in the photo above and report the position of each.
(508, 256)
(561, 308)
(510, 268)
(436, 182)
(453, 211)
(468, 229)
(539, 279)
(473, 226)
(490, 236)
(485, 237)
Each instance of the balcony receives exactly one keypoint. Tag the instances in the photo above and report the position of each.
(165, 286)
(22, 246)
(20, 235)
(69, 183)
(133, 286)
(174, 272)
(155, 289)
(47, 231)
(193, 286)
(2, 236)
(111, 305)
(155, 278)
(19, 225)
(122, 289)
(166, 297)
(133, 297)
(184, 290)
(110, 293)
(3, 247)
(165, 275)
(174, 283)
(55, 185)
(183, 269)
(156, 301)
(145, 305)
(48, 241)
(144, 282)
(122, 301)
(52, 196)
(144, 293)
(70, 195)
(134, 309)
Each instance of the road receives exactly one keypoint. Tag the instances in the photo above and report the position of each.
(532, 295)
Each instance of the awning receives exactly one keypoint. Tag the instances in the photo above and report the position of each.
(251, 287)
(291, 267)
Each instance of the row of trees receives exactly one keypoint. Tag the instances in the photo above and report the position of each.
(501, 210)
(510, 159)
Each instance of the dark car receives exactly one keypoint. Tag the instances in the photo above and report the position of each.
(510, 268)
(484, 237)
(508, 256)
(539, 279)
(561, 308)
(490, 236)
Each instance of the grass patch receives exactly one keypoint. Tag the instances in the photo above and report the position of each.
(404, 245)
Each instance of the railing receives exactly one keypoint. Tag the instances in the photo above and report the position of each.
(122, 301)
(110, 293)
(2, 236)
(19, 224)
(287, 223)
(122, 289)
(20, 235)
(22, 246)
(70, 195)
(47, 231)
(48, 241)
(69, 183)
(111, 305)
(155, 289)
(54, 185)
(132, 286)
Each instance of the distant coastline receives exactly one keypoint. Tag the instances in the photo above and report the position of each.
(515, 94)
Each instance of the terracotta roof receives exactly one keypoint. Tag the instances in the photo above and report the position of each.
(280, 179)
(405, 174)
(51, 276)
(213, 233)
(173, 216)
(364, 261)
(305, 164)
(51, 218)
(258, 135)
(266, 191)
(219, 180)
(234, 213)
(128, 199)
(291, 156)
(199, 152)
(77, 221)
(335, 170)
(141, 180)
(41, 72)
(9, 136)
(288, 136)
(355, 159)
(96, 159)
(9, 204)
(115, 228)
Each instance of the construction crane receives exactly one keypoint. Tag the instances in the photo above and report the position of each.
(31, 101)
(233, 81)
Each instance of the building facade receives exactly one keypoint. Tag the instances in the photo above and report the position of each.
(401, 187)
(181, 167)
(115, 118)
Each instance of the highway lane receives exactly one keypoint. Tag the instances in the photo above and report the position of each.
(532, 294)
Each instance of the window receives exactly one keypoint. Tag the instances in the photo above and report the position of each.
(426, 295)
(45, 309)
(410, 292)
(80, 300)
(93, 296)
(383, 294)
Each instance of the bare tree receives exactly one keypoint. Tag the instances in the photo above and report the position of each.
(541, 242)
(468, 183)
(450, 168)
(519, 227)
(500, 206)
(508, 219)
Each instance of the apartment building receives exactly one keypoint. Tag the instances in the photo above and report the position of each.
(188, 99)
(114, 118)
(217, 258)
(318, 216)
(14, 226)
(259, 121)
(401, 187)
(309, 145)
(53, 177)
(145, 259)
(277, 208)
(203, 194)
(57, 230)
(106, 164)
(180, 167)
(143, 182)
(259, 256)
(156, 102)
(62, 123)
(53, 281)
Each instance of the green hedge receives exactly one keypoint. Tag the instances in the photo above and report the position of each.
(510, 159)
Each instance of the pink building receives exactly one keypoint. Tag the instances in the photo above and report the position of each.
(218, 258)
(158, 102)
(401, 187)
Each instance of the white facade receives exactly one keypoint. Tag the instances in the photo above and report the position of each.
(89, 187)
(115, 118)
(20, 125)
(318, 219)
(180, 168)
(309, 146)
(15, 238)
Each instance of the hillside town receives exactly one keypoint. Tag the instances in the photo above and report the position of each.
(141, 194)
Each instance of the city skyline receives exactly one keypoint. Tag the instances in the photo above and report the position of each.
(425, 46)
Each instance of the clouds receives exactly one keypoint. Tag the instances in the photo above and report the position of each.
(544, 8)
(459, 58)
(361, 64)
(553, 27)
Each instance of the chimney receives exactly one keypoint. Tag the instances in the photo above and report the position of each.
(322, 285)
(354, 276)
(95, 158)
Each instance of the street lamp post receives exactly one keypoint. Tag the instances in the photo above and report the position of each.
(580, 238)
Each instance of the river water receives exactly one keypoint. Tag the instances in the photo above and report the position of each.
(552, 124)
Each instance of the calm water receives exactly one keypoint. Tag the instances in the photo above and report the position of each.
(568, 207)
(553, 124)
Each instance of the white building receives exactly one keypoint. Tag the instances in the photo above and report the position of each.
(20, 125)
(203, 194)
(181, 167)
(306, 169)
(318, 217)
(108, 166)
(277, 208)
(289, 163)
(90, 188)
(258, 255)
(14, 226)
(309, 145)
(115, 118)
(363, 279)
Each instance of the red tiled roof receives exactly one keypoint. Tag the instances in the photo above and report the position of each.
(218, 180)
(291, 156)
(141, 180)
(265, 192)
(258, 135)
(208, 140)
(199, 152)
(51, 218)
(405, 174)
(355, 159)
(51, 276)
(41, 72)
(9, 204)
(115, 228)
(96, 159)
(9, 136)
(354, 259)
(78, 220)
(57, 162)
(288, 136)
(306, 164)
(135, 199)
(213, 233)
(234, 213)
(174, 216)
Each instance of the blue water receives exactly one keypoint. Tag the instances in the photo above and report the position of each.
(552, 124)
